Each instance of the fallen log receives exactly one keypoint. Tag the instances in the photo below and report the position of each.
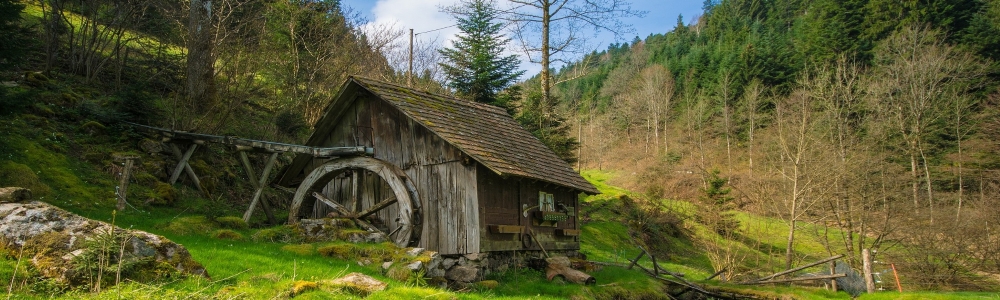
(14, 194)
(560, 266)
(804, 278)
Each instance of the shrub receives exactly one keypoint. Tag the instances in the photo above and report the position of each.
(232, 222)
(227, 234)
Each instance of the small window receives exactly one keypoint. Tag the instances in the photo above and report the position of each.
(546, 202)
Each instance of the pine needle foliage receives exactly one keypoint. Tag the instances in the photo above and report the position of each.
(475, 65)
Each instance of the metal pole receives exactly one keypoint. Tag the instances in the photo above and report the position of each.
(409, 74)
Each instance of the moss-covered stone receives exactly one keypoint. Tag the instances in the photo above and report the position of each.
(231, 222)
(340, 251)
(227, 234)
(189, 225)
(279, 234)
(20, 175)
(162, 194)
(399, 272)
(92, 128)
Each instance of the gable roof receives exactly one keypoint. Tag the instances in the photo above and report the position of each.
(484, 132)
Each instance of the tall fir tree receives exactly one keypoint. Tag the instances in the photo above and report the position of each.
(475, 65)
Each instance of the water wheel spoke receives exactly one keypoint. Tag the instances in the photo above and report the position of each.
(377, 207)
(366, 226)
(395, 231)
(336, 206)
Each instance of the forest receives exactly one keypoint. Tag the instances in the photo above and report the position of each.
(876, 117)
(750, 139)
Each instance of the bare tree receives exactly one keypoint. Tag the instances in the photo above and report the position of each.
(557, 25)
(918, 75)
(798, 161)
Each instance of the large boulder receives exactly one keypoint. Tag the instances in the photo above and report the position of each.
(63, 245)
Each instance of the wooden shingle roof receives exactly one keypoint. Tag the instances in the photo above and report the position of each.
(485, 132)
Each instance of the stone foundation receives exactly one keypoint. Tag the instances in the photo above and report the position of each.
(330, 229)
(460, 269)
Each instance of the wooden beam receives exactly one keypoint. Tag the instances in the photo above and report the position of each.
(246, 166)
(636, 260)
(789, 271)
(258, 145)
(804, 278)
(187, 167)
(333, 204)
(260, 187)
(182, 162)
(375, 208)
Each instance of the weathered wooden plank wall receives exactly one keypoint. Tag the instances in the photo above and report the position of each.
(501, 202)
(447, 186)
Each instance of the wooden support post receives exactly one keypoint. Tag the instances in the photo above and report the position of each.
(656, 267)
(123, 182)
(866, 262)
(260, 187)
(182, 161)
(636, 260)
(185, 166)
(833, 270)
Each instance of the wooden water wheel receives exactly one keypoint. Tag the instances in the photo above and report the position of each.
(395, 212)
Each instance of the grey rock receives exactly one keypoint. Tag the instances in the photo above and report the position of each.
(414, 251)
(32, 222)
(448, 263)
(360, 283)
(462, 274)
(386, 265)
(415, 266)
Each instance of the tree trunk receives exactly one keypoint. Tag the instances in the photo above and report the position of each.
(200, 58)
(546, 18)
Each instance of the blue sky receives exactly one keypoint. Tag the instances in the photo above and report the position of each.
(424, 15)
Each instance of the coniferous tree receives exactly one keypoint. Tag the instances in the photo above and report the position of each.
(476, 67)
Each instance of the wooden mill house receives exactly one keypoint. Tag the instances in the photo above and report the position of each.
(446, 174)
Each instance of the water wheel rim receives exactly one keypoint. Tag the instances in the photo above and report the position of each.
(408, 200)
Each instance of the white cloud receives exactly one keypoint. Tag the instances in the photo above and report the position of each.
(423, 16)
